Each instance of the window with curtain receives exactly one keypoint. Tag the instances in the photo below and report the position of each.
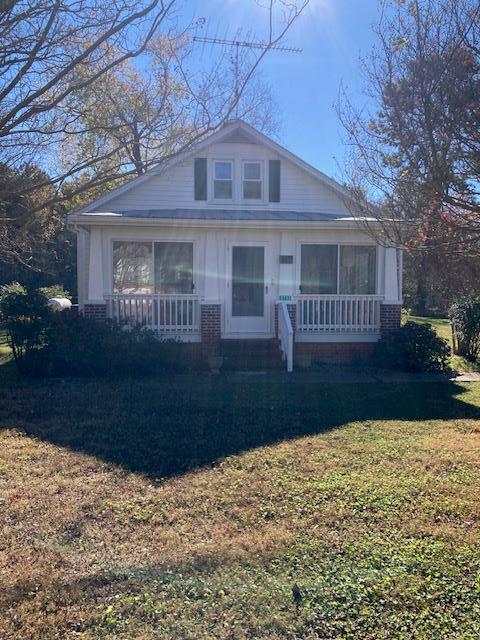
(319, 268)
(358, 270)
(132, 267)
(173, 267)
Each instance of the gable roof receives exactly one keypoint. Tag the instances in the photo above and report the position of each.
(233, 130)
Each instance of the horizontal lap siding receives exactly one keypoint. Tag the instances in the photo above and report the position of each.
(172, 190)
(301, 192)
(175, 189)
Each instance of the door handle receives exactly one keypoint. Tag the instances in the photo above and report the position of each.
(266, 288)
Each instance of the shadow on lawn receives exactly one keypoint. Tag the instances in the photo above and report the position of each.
(163, 428)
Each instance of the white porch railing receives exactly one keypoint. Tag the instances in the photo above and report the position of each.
(338, 314)
(285, 334)
(164, 313)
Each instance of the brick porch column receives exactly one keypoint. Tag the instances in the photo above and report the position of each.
(210, 327)
(391, 308)
(390, 317)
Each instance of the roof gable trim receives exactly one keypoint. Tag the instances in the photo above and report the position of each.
(235, 127)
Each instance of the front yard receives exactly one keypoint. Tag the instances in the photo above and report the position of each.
(189, 508)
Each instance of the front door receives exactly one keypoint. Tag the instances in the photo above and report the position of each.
(247, 297)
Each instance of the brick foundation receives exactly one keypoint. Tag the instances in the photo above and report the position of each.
(210, 327)
(97, 311)
(195, 354)
(333, 352)
(390, 317)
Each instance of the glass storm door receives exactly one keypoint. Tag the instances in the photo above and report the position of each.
(248, 290)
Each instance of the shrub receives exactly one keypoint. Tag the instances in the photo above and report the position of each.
(84, 347)
(54, 291)
(465, 318)
(413, 347)
(46, 343)
(24, 316)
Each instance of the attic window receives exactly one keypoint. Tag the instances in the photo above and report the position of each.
(252, 181)
(222, 180)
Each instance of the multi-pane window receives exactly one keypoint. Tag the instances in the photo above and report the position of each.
(344, 269)
(223, 180)
(152, 267)
(252, 181)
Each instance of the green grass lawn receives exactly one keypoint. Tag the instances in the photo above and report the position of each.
(189, 508)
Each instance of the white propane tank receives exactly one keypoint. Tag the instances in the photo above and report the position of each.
(59, 304)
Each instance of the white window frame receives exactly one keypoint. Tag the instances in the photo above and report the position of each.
(232, 179)
(195, 258)
(260, 180)
(298, 269)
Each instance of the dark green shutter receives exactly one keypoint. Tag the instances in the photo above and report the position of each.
(274, 180)
(200, 178)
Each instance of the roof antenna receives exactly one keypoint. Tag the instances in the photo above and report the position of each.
(247, 45)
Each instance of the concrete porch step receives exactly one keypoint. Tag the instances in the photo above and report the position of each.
(250, 344)
(253, 354)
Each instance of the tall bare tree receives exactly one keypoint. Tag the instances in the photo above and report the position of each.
(135, 117)
(415, 148)
(76, 74)
(51, 50)
(57, 57)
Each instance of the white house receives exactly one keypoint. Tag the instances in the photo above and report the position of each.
(238, 240)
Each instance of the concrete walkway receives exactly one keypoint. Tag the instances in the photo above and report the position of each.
(338, 374)
(467, 376)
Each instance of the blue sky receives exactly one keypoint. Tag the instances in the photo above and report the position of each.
(333, 35)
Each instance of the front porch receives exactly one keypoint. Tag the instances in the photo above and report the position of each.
(330, 296)
(309, 327)
(179, 316)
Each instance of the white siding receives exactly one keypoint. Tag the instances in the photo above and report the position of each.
(174, 189)
(280, 279)
(198, 236)
(83, 257)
